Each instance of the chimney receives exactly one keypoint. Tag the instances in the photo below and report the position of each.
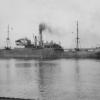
(41, 28)
(35, 41)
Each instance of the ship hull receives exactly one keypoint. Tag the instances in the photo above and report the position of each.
(80, 54)
(46, 53)
(40, 53)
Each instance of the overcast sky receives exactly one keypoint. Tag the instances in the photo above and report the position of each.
(24, 17)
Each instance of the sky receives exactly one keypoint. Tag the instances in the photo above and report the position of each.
(24, 17)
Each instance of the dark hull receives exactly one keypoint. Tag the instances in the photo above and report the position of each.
(80, 54)
(46, 53)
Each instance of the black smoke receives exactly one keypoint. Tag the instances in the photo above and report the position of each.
(45, 27)
(51, 30)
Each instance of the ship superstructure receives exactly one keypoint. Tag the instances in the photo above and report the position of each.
(26, 43)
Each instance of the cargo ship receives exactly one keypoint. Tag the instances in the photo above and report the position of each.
(37, 50)
(46, 50)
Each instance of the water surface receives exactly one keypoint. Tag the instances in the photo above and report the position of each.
(64, 79)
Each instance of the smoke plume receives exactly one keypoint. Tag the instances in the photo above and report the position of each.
(44, 27)
(50, 29)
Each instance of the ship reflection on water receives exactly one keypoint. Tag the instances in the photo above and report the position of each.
(49, 74)
(50, 80)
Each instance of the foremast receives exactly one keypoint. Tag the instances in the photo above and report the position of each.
(77, 39)
(8, 39)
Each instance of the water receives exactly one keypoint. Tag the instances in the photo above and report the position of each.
(64, 79)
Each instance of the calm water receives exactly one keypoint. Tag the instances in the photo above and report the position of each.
(50, 80)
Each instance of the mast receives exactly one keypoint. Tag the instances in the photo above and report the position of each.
(77, 39)
(8, 39)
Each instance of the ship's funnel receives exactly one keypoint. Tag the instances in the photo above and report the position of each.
(35, 40)
(42, 27)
